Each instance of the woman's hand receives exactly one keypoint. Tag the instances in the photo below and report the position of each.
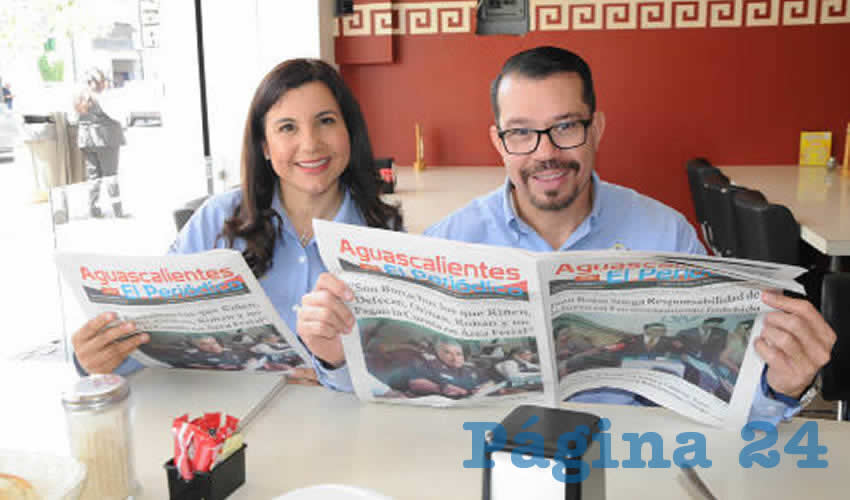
(98, 348)
(324, 316)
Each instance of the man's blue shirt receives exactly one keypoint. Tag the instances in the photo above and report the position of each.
(620, 218)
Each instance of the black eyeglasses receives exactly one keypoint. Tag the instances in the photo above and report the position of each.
(563, 135)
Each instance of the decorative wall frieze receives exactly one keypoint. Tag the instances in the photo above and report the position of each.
(554, 15)
(426, 18)
(447, 17)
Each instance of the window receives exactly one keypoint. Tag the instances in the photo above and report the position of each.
(505, 17)
(149, 161)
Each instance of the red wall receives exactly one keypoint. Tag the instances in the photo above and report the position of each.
(735, 96)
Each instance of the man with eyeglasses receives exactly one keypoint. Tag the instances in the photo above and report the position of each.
(547, 130)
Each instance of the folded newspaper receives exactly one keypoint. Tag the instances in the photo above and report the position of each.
(448, 323)
(203, 310)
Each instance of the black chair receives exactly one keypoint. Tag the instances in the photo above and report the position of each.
(695, 183)
(386, 175)
(184, 213)
(721, 218)
(836, 373)
(698, 169)
(768, 232)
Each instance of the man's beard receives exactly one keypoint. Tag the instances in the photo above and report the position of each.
(550, 202)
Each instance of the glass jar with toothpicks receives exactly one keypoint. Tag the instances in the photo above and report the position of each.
(97, 410)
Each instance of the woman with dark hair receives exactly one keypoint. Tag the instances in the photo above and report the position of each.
(305, 154)
(311, 187)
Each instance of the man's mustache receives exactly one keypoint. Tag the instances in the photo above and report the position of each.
(554, 165)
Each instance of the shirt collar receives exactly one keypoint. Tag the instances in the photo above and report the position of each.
(514, 221)
(509, 210)
(347, 213)
(595, 204)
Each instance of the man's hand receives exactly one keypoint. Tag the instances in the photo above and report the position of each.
(323, 317)
(795, 343)
(423, 386)
(454, 391)
(302, 376)
(97, 348)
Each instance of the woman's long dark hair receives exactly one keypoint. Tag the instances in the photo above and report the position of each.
(254, 220)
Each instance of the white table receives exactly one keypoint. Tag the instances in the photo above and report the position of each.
(818, 198)
(428, 196)
(310, 435)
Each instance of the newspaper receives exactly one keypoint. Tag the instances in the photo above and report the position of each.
(448, 323)
(204, 310)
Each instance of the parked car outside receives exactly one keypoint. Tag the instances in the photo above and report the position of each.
(136, 102)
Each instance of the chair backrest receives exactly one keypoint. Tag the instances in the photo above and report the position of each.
(697, 169)
(834, 301)
(184, 213)
(383, 163)
(719, 215)
(768, 232)
(386, 176)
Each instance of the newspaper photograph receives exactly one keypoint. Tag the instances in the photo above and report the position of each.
(203, 310)
(445, 323)
(673, 329)
(417, 362)
(702, 350)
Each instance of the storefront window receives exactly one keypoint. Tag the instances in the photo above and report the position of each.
(99, 145)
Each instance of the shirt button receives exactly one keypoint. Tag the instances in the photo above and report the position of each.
(302, 259)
